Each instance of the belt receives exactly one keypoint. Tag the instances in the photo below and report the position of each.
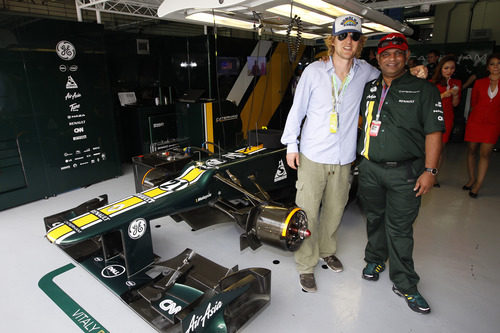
(395, 164)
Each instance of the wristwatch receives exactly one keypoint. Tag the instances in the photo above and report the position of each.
(433, 171)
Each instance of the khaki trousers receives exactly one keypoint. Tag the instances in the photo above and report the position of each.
(322, 192)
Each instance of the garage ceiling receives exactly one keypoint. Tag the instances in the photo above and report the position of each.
(265, 16)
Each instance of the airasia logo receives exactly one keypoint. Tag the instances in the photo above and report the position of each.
(112, 271)
(209, 312)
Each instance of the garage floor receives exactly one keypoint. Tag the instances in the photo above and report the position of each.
(456, 256)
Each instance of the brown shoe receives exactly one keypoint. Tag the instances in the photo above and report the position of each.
(308, 283)
(334, 263)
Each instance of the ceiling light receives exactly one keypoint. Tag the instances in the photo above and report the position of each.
(378, 27)
(304, 14)
(305, 35)
(220, 20)
(325, 7)
(420, 20)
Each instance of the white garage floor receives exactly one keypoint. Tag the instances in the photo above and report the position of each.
(456, 255)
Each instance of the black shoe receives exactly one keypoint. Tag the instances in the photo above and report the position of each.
(415, 301)
(466, 188)
(308, 283)
(472, 194)
(334, 263)
(370, 272)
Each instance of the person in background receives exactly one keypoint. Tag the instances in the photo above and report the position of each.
(432, 61)
(327, 96)
(400, 144)
(483, 125)
(450, 90)
(412, 62)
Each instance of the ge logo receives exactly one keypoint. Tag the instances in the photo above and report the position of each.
(65, 50)
(137, 228)
(170, 307)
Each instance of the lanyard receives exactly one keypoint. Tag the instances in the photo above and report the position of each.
(337, 94)
(385, 90)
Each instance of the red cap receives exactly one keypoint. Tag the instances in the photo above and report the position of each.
(392, 41)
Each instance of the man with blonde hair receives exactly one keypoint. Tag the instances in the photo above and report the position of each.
(327, 96)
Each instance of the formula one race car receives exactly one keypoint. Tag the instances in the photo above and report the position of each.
(187, 293)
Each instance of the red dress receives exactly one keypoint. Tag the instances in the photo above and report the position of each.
(483, 124)
(449, 114)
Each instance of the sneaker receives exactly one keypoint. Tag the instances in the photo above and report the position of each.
(370, 272)
(416, 302)
(308, 283)
(334, 263)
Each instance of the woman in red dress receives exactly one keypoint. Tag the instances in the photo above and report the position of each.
(450, 90)
(483, 125)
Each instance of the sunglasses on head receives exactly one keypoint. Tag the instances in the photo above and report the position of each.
(388, 42)
(355, 36)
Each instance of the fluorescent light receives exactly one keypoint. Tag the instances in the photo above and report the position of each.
(305, 35)
(221, 20)
(325, 7)
(421, 19)
(304, 14)
(378, 27)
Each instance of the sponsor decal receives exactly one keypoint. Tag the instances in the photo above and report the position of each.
(197, 320)
(75, 123)
(72, 96)
(170, 306)
(73, 68)
(100, 215)
(234, 156)
(98, 259)
(112, 271)
(438, 104)
(137, 228)
(204, 197)
(130, 283)
(71, 83)
(72, 226)
(78, 130)
(226, 118)
(158, 125)
(437, 111)
(280, 172)
(373, 89)
(72, 116)
(213, 162)
(65, 167)
(371, 97)
(174, 185)
(74, 107)
(407, 101)
(65, 50)
(140, 195)
(63, 68)
(410, 91)
(80, 137)
(440, 118)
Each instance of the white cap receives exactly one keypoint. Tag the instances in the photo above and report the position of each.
(346, 23)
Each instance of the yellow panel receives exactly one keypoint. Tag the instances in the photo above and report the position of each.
(209, 126)
(269, 90)
(58, 232)
(81, 221)
(121, 205)
(249, 150)
(154, 192)
(193, 174)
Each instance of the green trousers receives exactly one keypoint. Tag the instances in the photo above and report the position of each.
(322, 192)
(388, 200)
